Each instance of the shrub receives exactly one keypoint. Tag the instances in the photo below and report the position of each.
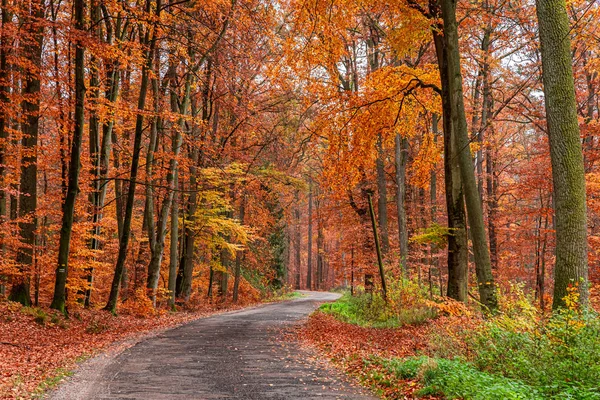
(560, 355)
(39, 315)
(452, 379)
(406, 305)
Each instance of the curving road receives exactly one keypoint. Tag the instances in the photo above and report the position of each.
(237, 355)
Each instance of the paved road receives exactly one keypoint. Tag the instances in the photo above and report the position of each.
(237, 355)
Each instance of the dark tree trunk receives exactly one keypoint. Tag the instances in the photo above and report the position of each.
(135, 158)
(309, 260)
(239, 256)
(378, 249)
(58, 301)
(485, 280)
(298, 240)
(27, 202)
(457, 238)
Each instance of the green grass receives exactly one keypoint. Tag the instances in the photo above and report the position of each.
(282, 296)
(458, 379)
(52, 381)
(452, 379)
(369, 310)
(509, 358)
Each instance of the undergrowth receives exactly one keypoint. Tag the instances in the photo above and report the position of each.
(406, 305)
(518, 354)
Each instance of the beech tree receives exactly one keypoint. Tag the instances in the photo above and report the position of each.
(566, 153)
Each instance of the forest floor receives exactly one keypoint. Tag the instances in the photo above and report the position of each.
(243, 354)
(348, 346)
(40, 347)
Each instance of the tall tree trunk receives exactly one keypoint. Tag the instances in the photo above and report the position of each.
(320, 247)
(298, 239)
(457, 238)
(158, 248)
(58, 301)
(196, 162)
(378, 249)
(239, 254)
(401, 156)
(492, 204)
(5, 43)
(174, 243)
(566, 154)
(135, 158)
(382, 213)
(101, 172)
(309, 260)
(479, 121)
(485, 280)
(28, 183)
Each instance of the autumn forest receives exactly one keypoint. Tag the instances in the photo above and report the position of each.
(436, 161)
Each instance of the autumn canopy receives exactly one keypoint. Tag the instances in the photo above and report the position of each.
(178, 152)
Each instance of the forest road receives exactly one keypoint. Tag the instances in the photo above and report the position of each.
(237, 355)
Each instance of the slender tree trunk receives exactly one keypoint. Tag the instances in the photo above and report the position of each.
(433, 198)
(298, 240)
(401, 156)
(58, 302)
(5, 42)
(174, 243)
(492, 203)
(239, 256)
(135, 158)
(478, 127)
(310, 237)
(158, 249)
(378, 249)
(566, 154)
(320, 252)
(485, 280)
(102, 178)
(382, 196)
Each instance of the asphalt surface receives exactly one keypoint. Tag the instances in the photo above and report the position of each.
(237, 355)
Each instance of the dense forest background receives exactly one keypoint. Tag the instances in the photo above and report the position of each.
(174, 151)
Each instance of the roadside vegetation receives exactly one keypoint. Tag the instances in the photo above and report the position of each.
(449, 350)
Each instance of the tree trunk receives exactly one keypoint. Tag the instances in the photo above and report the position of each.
(457, 238)
(382, 197)
(566, 154)
(27, 205)
(378, 249)
(401, 156)
(239, 254)
(320, 252)
(174, 244)
(310, 237)
(298, 240)
(161, 228)
(58, 302)
(4, 122)
(485, 280)
(135, 158)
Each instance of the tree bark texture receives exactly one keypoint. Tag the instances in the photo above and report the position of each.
(566, 154)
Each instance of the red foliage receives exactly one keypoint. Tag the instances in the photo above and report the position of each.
(347, 345)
